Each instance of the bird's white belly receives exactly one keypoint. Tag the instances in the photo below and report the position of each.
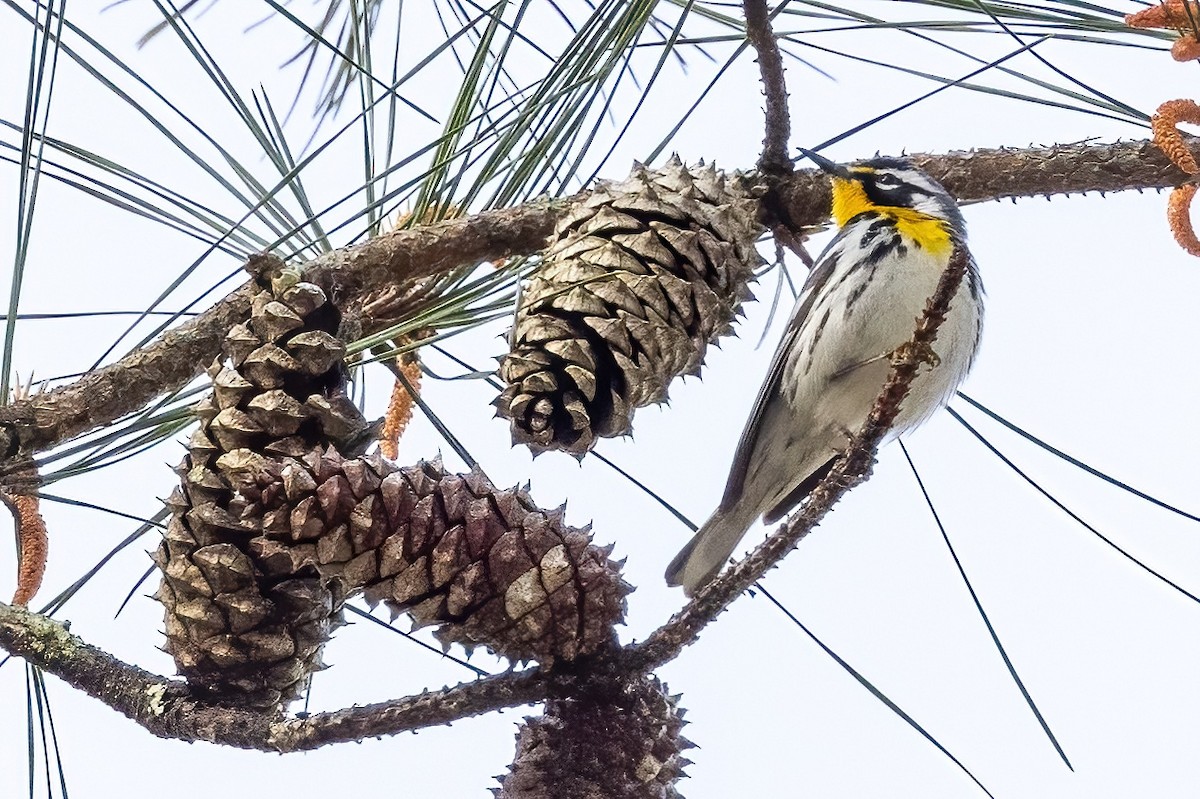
(843, 357)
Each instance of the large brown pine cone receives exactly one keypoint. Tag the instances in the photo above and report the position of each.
(634, 285)
(236, 629)
(623, 744)
(486, 565)
(278, 520)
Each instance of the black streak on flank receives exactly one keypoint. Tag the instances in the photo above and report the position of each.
(855, 293)
(812, 345)
(821, 327)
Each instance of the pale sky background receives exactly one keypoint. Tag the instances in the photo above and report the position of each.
(1089, 343)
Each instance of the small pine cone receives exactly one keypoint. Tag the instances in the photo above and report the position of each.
(240, 628)
(635, 284)
(487, 566)
(623, 744)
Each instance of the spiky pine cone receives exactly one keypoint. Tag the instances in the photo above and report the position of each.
(618, 744)
(485, 565)
(634, 285)
(238, 629)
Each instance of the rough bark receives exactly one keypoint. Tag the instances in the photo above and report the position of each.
(799, 200)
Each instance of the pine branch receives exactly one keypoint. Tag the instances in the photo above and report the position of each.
(405, 256)
(166, 708)
(774, 158)
(1008, 173)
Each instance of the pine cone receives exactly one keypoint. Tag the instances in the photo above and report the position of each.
(276, 523)
(486, 565)
(619, 745)
(635, 284)
(238, 629)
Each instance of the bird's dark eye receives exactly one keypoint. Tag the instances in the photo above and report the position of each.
(887, 179)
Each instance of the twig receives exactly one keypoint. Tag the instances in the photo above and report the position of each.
(171, 361)
(784, 236)
(774, 159)
(167, 709)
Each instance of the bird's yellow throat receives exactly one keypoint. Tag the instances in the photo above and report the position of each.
(929, 232)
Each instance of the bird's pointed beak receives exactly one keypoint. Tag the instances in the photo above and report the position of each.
(835, 169)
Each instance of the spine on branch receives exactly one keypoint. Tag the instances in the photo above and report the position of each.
(279, 518)
(638, 279)
(623, 743)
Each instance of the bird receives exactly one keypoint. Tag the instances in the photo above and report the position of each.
(897, 231)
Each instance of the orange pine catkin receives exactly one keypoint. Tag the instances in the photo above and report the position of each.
(34, 544)
(400, 408)
(1172, 15)
(1186, 48)
(1179, 216)
(1167, 136)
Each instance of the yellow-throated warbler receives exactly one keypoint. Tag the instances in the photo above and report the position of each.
(898, 229)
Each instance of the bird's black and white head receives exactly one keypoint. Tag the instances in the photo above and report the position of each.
(883, 184)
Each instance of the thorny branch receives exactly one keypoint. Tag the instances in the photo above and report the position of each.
(405, 256)
(774, 159)
(170, 362)
(166, 707)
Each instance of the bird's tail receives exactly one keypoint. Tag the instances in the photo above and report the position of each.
(698, 562)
